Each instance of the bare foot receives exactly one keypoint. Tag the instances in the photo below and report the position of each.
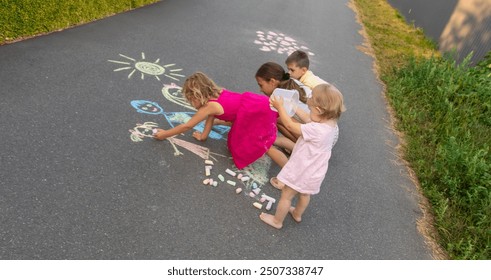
(291, 211)
(269, 219)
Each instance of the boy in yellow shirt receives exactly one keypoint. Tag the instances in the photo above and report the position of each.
(298, 68)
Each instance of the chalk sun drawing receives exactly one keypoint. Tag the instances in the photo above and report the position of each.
(279, 42)
(176, 118)
(146, 67)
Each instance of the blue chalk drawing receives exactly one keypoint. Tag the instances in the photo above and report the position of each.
(176, 118)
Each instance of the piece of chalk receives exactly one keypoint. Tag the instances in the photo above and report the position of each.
(210, 182)
(257, 205)
(254, 185)
(256, 190)
(208, 162)
(262, 199)
(206, 181)
(215, 183)
(208, 170)
(230, 172)
(239, 176)
(251, 194)
(221, 178)
(268, 206)
(238, 190)
(268, 198)
(231, 182)
(244, 178)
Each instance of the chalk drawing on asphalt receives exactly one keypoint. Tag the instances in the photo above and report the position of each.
(147, 68)
(173, 93)
(279, 42)
(176, 118)
(141, 131)
(146, 130)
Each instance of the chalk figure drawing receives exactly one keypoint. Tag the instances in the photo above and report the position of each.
(257, 171)
(145, 67)
(279, 42)
(173, 118)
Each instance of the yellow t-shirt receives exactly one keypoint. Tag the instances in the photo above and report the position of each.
(311, 80)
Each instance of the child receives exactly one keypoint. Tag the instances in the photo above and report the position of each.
(304, 172)
(271, 76)
(253, 130)
(298, 68)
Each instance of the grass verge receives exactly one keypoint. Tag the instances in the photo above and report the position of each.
(443, 111)
(27, 18)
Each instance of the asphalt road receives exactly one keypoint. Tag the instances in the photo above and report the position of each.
(79, 179)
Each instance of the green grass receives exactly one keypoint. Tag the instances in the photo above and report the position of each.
(26, 18)
(444, 113)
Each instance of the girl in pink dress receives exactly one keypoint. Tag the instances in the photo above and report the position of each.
(253, 129)
(304, 172)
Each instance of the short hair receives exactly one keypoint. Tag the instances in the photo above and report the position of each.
(298, 57)
(201, 87)
(329, 100)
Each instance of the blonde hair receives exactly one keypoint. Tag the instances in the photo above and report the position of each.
(329, 100)
(200, 87)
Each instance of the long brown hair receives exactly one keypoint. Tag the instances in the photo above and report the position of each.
(272, 70)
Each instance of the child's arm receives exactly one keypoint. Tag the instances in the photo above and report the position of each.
(211, 108)
(304, 116)
(202, 136)
(292, 126)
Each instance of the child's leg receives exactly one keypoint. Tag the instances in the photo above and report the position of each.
(299, 209)
(276, 221)
(285, 143)
(277, 156)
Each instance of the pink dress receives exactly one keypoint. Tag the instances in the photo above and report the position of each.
(307, 166)
(253, 129)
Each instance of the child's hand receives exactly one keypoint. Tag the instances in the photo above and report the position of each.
(197, 135)
(160, 134)
(276, 102)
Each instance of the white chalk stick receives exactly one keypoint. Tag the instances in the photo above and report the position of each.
(221, 178)
(215, 183)
(231, 182)
(207, 170)
(256, 190)
(208, 162)
(230, 172)
(238, 190)
(257, 205)
(268, 198)
(244, 178)
(268, 206)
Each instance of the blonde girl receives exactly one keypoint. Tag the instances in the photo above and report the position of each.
(253, 129)
(304, 172)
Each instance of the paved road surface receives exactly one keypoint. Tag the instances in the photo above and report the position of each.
(76, 182)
